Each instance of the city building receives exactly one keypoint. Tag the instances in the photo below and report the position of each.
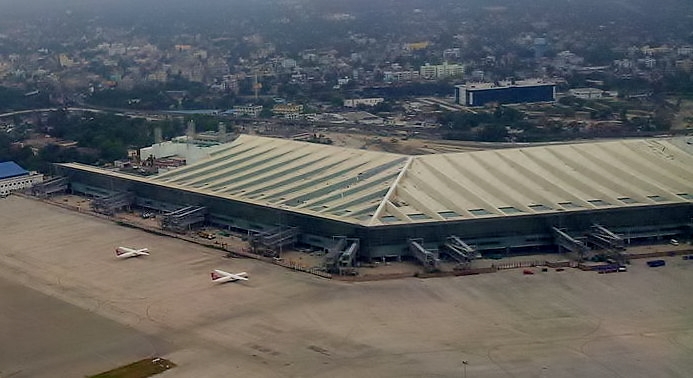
(288, 111)
(540, 47)
(415, 46)
(587, 93)
(441, 71)
(452, 54)
(393, 76)
(354, 102)
(13, 177)
(252, 111)
(509, 92)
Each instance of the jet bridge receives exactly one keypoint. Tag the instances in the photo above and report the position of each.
(348, 256)
(275, 239)
(110, 204)
(568, 242)
(602, 237)
(428, 259)
(459, 250)
(184, 218)
(333, 253)
(341, 257)
(48, 187)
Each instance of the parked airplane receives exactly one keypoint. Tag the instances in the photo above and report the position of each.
(219, 276)
(125, 252)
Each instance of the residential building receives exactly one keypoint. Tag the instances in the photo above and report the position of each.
(289, 111)
(416, 46)
(587, 93)
(452, 54)
(441, 71)
(392, 76)
(247, 110)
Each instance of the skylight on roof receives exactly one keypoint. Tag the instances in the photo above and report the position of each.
(627, 200)
(389, 219)
(418, 216)
(598, 202)
(657, 198)
(569, 205)
(510, 210)
(686, 196)
(448, 214)
(479, 211)
(539, 207)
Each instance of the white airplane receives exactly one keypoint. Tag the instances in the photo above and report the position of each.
(219, 276)
(125, 252)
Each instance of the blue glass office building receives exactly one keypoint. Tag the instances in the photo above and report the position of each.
(481, 94)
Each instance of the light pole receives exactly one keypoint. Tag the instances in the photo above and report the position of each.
(464, 368)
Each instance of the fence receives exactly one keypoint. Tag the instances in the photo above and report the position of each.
(301, 268)
(518, 264)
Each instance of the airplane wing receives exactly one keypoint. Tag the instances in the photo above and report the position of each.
(239, 277)
(221, 276)
(129, 252)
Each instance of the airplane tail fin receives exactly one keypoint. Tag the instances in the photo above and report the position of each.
(119, 251)
(215, 275)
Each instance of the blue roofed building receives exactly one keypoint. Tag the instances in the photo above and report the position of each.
(9, 169)
(13, 177)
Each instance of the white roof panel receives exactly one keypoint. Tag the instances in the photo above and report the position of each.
(376, 188)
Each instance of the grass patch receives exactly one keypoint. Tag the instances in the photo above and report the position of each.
(140, 369)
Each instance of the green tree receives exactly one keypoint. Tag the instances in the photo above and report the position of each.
(493, 133)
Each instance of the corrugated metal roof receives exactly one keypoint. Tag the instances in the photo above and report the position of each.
(376, 188)
(10, 169)
(345, 183)
(542, 179)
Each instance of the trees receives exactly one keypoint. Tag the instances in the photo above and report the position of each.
(493, 132)
(108, 134)
(15, 99)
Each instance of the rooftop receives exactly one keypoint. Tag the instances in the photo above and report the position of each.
(505, 84)
(9, 169)
(375, 188)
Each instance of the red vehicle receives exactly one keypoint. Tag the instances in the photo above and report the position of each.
(527, 271)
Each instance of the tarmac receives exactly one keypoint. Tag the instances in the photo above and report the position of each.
(70, 308)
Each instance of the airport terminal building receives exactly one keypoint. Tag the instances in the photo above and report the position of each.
(390, 205)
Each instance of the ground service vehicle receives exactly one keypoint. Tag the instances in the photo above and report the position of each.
(656, 263)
